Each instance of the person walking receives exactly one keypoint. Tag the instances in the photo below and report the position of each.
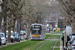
(54, 30)
(68, 39)
(49, 31)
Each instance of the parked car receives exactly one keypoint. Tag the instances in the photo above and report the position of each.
(0, 41)
(72, 36)
(73, 45)
(3, 39)
(23, 34)
(17, 37)
(12, 36)
(72, 41)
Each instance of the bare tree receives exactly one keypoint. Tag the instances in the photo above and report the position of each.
(68, 6)
(4, 13)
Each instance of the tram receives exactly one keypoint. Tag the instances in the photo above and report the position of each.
(38, 32)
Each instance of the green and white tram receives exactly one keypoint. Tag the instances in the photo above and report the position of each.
(38, 32)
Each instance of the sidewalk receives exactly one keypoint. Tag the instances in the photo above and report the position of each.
(61, 48)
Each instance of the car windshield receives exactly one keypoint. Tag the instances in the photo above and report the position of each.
(1, 35)
(22, 31)
(11, 33)
(16, 35)
(6, 33)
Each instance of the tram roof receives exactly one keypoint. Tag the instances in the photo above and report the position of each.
(36, 24)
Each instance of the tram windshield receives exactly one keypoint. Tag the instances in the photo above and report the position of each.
(36, 32)
(36, 29)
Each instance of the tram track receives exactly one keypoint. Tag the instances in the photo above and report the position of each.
(54, 45)
(41, 45)
(25, 45)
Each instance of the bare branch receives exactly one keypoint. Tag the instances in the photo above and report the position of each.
(15, 2)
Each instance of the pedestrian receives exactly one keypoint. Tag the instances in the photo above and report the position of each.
(49, 30)
(54, 30)
(68, 39)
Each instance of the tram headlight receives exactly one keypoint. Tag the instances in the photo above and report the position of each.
(33, 26)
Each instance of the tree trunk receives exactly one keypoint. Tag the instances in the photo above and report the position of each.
(4, 26)
(9, 34)
(28, 31)
(19, 26)
(4, 12)
(73, 28)
(13, 27)
(9, 30)
(0, 20)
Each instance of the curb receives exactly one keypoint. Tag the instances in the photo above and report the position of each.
(61, 48)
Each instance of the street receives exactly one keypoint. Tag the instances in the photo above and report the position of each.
(50, 43)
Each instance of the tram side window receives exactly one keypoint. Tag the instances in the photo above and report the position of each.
(40, 28)
(36, 32)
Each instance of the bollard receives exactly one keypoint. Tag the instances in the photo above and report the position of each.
(65, 40)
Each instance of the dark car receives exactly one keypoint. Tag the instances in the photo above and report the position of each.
(17, 37)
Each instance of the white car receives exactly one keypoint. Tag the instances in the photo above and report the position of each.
(23, 34)
(12, 36)
(3, 39)
(73, 45)
(72, 41)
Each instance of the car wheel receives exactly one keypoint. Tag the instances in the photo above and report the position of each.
(12, 40)
(0, 43)
(4, 43)
(18, 40)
